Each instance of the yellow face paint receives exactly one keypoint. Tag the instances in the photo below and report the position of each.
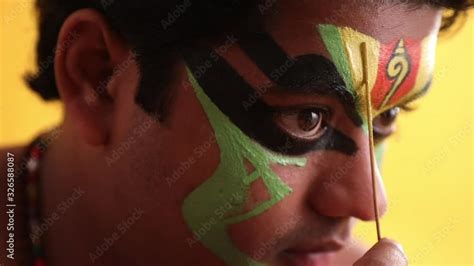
(397, 71)
(380, 77)
(219, 202)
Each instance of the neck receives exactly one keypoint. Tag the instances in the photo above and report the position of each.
(73, 200)
(92, 204)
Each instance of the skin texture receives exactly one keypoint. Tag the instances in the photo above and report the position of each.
(343, 44)
(256, 119)
(164, 164)
(385, 252)
(394, 70)
(227, 186)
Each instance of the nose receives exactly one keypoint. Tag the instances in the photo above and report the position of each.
(344, 186)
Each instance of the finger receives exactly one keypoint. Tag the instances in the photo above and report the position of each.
(386, 252)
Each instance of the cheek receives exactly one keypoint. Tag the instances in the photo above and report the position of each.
(162, 167)
(241, 187)
(264, 236)
(188, 147)
(191, 149)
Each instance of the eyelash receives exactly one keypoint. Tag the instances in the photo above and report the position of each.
(407, 107)
(381, 136)
(327, 115)
(323, 111)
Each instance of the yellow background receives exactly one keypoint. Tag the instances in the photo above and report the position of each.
(427, 169)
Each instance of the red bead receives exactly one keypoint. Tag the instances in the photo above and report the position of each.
(35, 152)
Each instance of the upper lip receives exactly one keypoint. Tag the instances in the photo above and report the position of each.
(308, 247)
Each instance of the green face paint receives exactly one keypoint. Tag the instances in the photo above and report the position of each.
(379, 153)
(230, 184)
(335, 45)
(398, 71)
(343, 45)
(228, 187)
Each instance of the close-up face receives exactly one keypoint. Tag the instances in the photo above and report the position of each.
(236, 132)
(263, 158)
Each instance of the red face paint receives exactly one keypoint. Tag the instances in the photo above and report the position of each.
(399, 66)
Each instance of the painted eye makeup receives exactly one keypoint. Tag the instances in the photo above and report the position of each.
(385, 123)
(306, 124)
(230, 93)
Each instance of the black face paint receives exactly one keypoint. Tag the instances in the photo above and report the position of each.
(309, 73)
(228, 90)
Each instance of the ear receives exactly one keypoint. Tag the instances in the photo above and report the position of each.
(87, 53)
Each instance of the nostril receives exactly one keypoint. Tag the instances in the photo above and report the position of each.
(366, 214)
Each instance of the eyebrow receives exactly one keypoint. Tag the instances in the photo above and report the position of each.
(229, 91)
(307, 74)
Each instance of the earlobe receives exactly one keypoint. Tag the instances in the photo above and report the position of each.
(86, 55)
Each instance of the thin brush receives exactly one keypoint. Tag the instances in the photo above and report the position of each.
(363, 49)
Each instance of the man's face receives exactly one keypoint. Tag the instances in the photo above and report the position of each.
(264, 158)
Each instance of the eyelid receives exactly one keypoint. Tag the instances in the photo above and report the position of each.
(294, 111)
(295, 108)
(379, 135)
(408, 107)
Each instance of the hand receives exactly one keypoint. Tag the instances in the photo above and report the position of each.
(386, 252)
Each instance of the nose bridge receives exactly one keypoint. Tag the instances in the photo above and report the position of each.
(344, 188)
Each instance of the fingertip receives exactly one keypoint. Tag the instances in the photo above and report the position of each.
(385, 252)
(392, 242)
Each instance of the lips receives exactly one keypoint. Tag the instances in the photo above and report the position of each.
(312, 254)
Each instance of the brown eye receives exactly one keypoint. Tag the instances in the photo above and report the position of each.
(305, 123)
(384, 124)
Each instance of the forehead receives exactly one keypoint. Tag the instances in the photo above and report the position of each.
(401, 43)
(292, 23)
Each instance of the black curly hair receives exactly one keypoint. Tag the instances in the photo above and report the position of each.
(169, 25)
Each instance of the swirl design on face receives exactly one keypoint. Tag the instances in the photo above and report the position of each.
(398, 68)
(398, 71)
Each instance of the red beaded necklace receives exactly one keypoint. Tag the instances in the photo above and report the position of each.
(33, 157)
